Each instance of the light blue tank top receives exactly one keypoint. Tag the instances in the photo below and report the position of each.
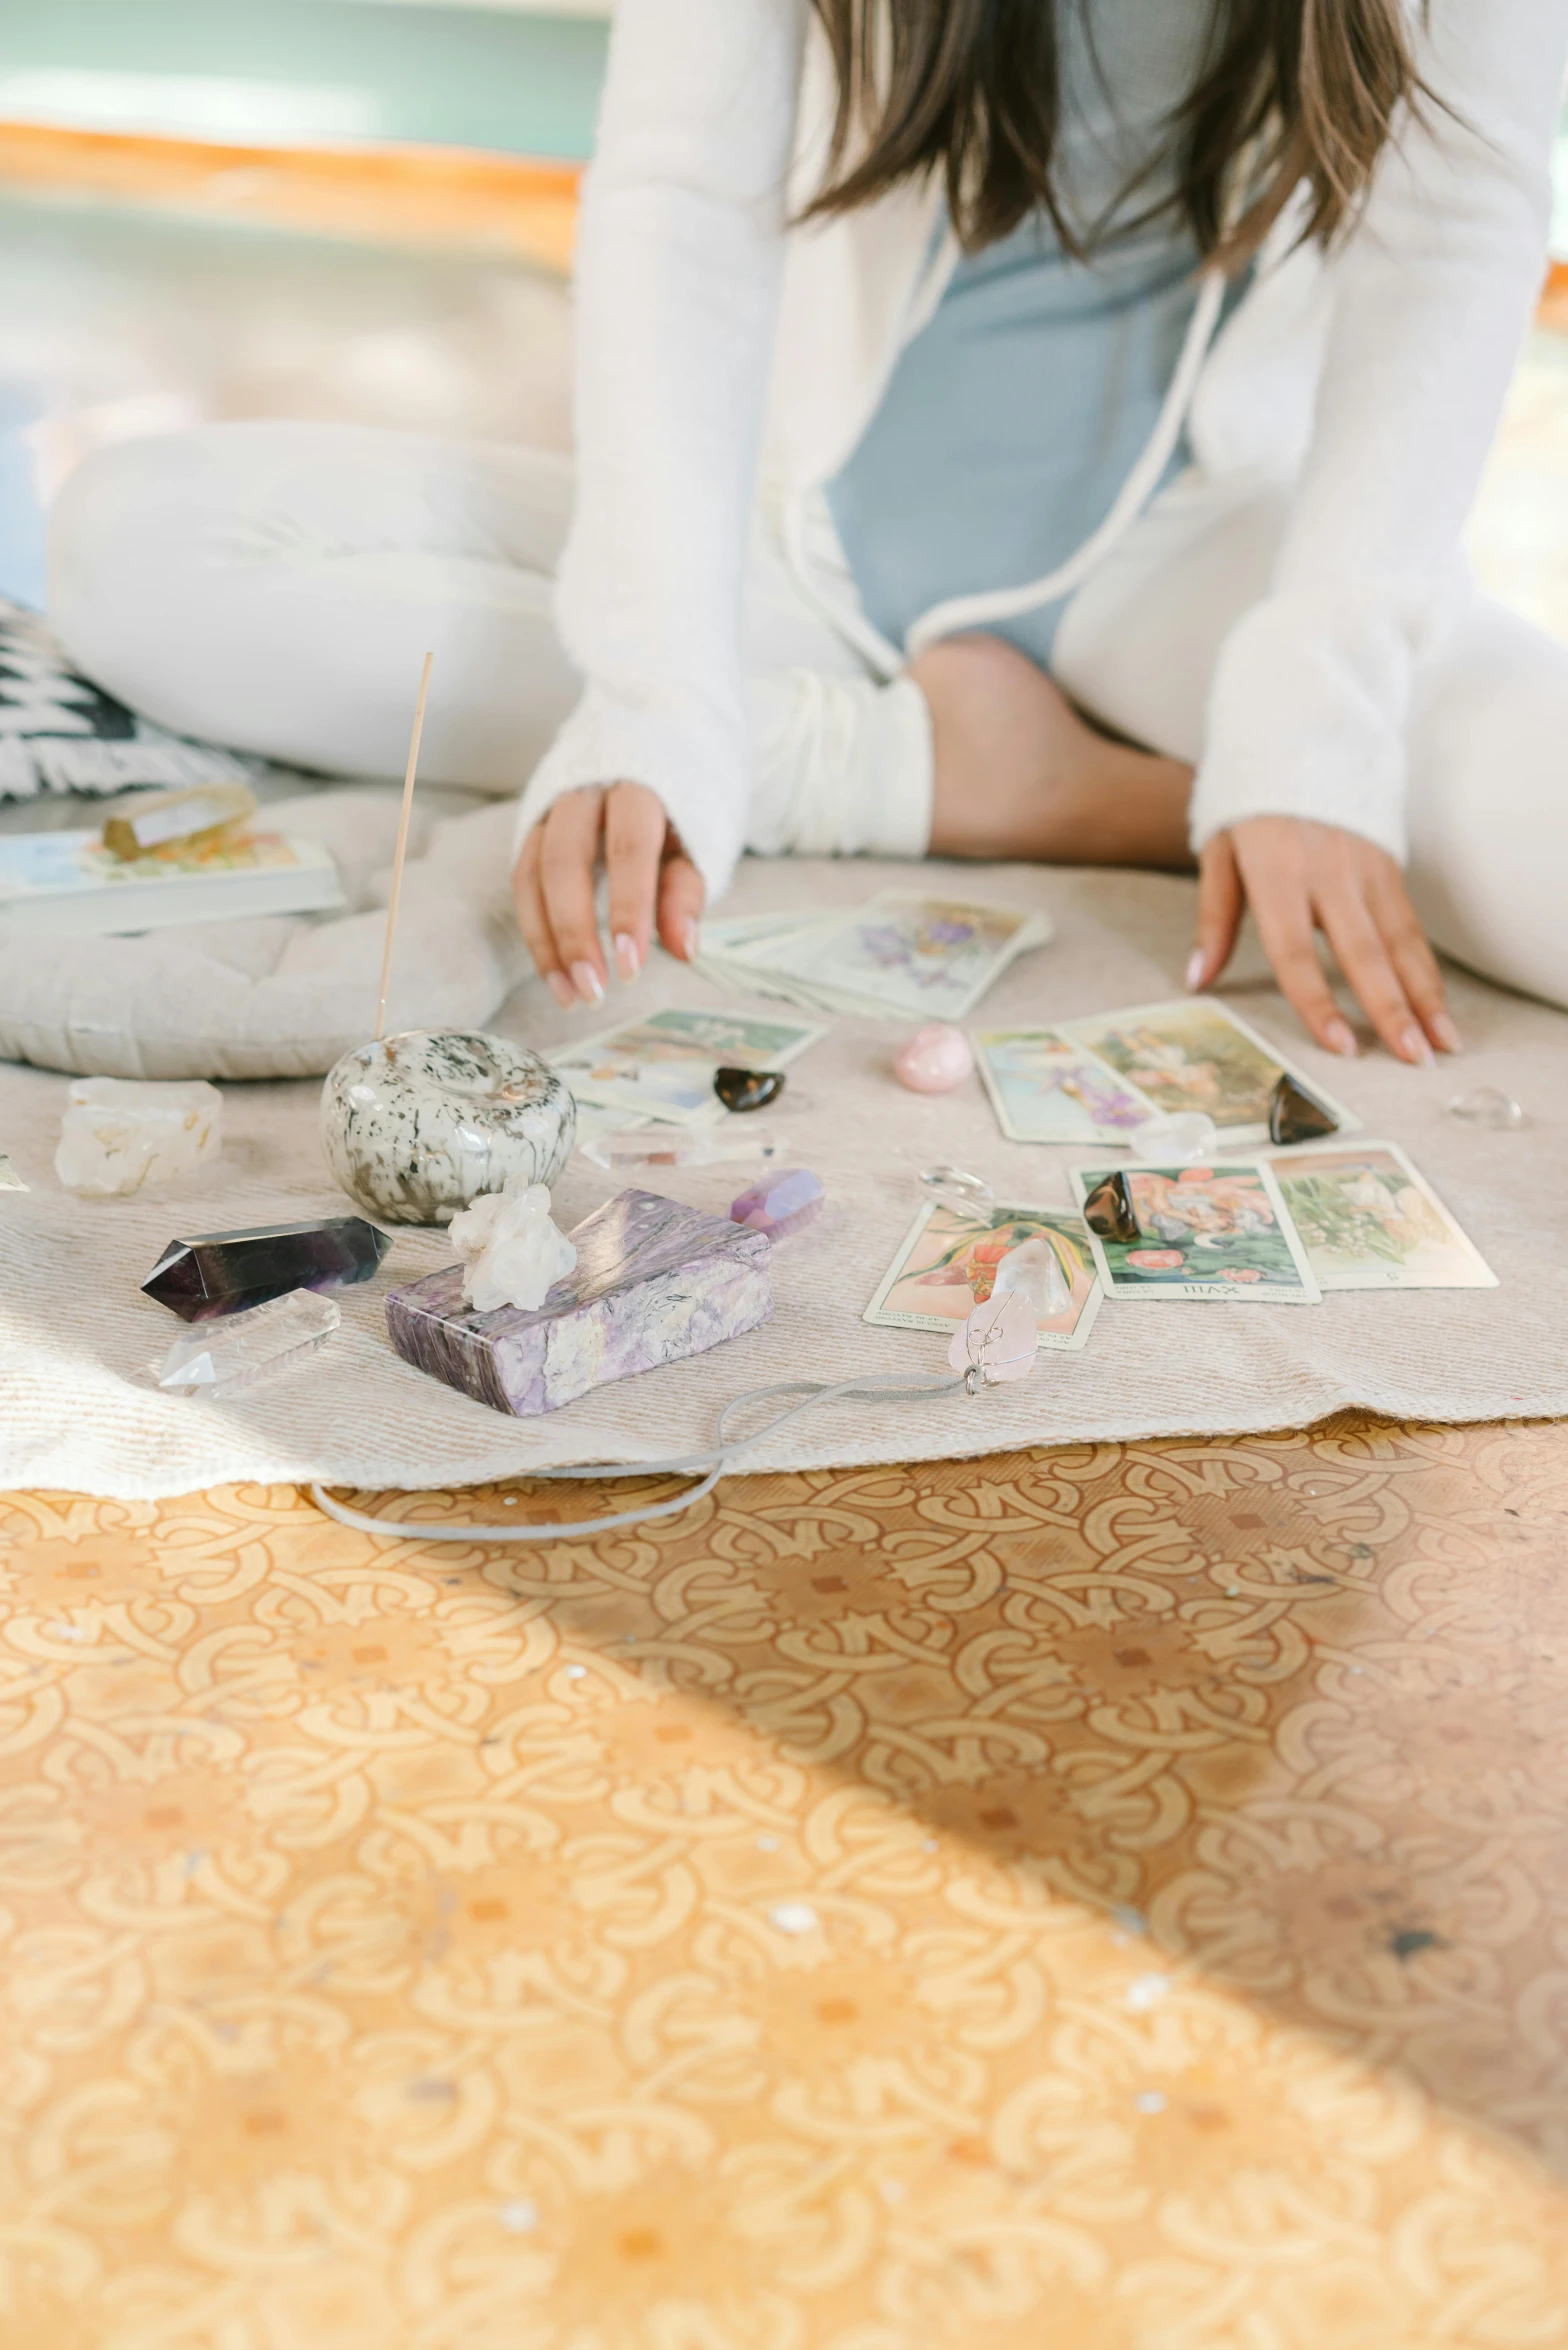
(1013, 418)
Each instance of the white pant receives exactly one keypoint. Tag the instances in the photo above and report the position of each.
(274, 586)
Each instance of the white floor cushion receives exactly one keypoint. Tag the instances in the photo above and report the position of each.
(283, 997)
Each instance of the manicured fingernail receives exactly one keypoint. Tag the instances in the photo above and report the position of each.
(1339, 1039)
(587, 982)
(1447, 1034)
(1414, 1046)
(691, 940)
(627, 959)
(1196, 968)
(561, 988)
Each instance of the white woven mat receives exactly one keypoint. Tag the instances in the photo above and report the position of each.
(75, 1332)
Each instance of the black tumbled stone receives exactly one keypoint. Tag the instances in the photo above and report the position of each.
(1109, 1213)
(1296, 1115)
(747, 1089)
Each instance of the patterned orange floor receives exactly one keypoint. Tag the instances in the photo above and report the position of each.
(1114, 1897)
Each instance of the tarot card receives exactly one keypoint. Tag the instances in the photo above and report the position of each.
(947, 1260)
(1202, 1232)
(9, 1178)
(905, 956)
(1368, 1220)
(1195, 1054)
(662, 1067)
(1044, 1089)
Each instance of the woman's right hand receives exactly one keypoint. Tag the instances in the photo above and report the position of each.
(651, 880)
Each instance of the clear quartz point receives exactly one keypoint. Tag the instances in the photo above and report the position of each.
(214, 1359)
(1178, 1135)
(684, 1146)
(1034, 1270)
(1488, 1107)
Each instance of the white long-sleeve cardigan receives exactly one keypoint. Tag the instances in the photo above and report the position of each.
(1371, 382)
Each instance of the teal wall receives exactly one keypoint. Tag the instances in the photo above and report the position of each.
(471, 77)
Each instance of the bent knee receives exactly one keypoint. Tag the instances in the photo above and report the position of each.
(991, 706)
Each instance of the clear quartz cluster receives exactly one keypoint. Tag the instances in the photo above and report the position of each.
(513, 1255)
(215, 1359)
(119, 1136)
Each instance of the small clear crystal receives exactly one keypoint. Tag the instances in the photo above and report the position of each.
(683, 1146)
(220, 1358)
(1488, 1107)
(956, 1186)
(1035, 1270)
(9, 1178)
(1177, 1135)
(118, 1135)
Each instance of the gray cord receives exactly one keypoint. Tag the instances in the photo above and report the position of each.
(708, 1467)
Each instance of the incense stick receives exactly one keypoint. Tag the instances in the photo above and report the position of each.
(402, 846)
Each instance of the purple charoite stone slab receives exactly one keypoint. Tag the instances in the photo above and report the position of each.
(654, 1282)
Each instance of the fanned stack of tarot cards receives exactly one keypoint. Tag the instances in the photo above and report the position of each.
(906, 955)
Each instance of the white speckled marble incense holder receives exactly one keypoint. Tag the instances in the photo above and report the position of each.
(419, 1126)
(654, 1282)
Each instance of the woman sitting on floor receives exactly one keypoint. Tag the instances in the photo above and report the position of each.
(1127, 369)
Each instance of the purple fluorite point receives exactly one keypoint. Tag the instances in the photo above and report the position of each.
(225, 1272)
(780, 1204)
(654, 1283)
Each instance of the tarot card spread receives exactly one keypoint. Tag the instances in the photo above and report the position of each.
(1196, 1054)
(902, 956)
(1044, 1089)
(663, 1067)
(1368, 1220)
(946, 1266)
(1203, 1232)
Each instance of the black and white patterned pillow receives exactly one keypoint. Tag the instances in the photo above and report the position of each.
(58, 733)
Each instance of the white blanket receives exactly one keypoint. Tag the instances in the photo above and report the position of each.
(76, 1334)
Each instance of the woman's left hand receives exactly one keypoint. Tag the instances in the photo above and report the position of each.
(1300, 878)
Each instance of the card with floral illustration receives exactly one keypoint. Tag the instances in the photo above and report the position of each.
(1218, 1232)
(1044, 1089)
(946, 1266)
(1369, 1220)
(1196, 1054)
(906, 955)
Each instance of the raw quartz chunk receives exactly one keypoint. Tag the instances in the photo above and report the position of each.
(220, 1358)
(513, 1255)
(118, 1136)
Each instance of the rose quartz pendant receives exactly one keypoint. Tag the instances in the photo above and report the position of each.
(935, 1059)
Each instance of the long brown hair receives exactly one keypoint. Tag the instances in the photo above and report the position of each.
(971, 90)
